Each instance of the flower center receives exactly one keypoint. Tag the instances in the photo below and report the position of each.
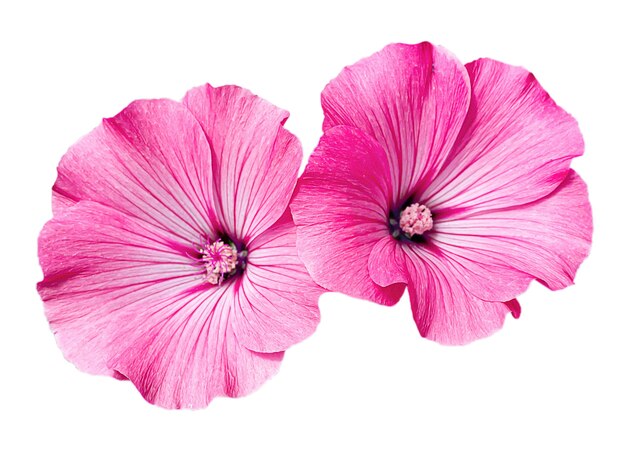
(220, 261)
(415, 220)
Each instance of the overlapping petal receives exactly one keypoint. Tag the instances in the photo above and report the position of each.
(341, 211)
(123, 298)
(448, 293)
(443, 308)
(255, 160)
(276, 302)
(412, 99)
(547, 239)
(151, 161)
(515, 147)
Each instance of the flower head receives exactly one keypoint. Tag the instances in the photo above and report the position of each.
(450, 180)
(171, 258)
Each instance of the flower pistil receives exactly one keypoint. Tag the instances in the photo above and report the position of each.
(220, 261)
(412, 222)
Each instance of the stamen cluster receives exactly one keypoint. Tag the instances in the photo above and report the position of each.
(220, 261)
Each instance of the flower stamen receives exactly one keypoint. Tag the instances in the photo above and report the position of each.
(220, 261)
(415, 220)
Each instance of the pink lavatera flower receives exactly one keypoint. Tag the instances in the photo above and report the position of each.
(171, 257)
(451, 180)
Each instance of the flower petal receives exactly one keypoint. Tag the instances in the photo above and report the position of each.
(184, 356)
(547, 239)
(412, 99)
(438, 287)
(151, 161)
(255, 160)
(515, 146)
(386, 264)
(125, 300)
(340, 210)
(483, 277)
(276, 303)
(515, 307)
(443, 309)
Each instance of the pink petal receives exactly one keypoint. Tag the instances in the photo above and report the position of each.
(151, 161)
(276, 303)
(443, 308)
(184, 356)
(515, 307)
(547, 239)
(483, 277)
(515, 146)
(255, 160)
(412, 99)
(340, 210)
(447, 292)
(386, 264)
(124, 299)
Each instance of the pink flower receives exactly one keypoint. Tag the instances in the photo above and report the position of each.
(452, 180)
(171, 257)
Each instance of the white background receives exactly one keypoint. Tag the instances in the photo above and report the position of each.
(553, 379)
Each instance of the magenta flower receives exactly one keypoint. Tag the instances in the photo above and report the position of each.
(171, 257)
(452, 180)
